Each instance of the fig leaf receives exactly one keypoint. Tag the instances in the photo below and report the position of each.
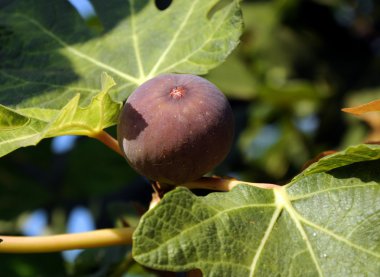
(52, 57)
(24, 127)
(324, 223)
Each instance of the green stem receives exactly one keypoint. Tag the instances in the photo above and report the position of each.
(56, 243)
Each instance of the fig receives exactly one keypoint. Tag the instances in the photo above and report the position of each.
(174, 128)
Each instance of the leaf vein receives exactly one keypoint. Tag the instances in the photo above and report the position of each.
(301, 197)
(264, 240)
(282, 198)
(340, 238)
(78, 53)
(206, 220)
(135, 39)
(173, 41)
(187, 57)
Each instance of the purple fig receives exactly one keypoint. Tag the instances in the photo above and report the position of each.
(175, 128)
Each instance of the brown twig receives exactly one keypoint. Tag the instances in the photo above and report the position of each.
(220, 184)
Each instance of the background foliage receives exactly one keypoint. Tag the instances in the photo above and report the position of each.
(297, 64)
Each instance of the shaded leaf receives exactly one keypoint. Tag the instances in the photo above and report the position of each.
(23, 174)
(322, 224)
(27, 265)
(234, 79)
(99, 262)
(46, 55)
(105, 172)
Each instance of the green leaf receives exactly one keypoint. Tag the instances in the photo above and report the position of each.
(20, 179)
(109, 174)
(98, 262)
(26, 265)
(31, 125)
(234, 79)
(51, 58)
(322, 224)
(49, 54)
(352, 154)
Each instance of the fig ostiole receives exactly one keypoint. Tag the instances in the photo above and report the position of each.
(175, 128)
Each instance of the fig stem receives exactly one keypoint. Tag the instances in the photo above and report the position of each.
(220, 184)
(108, 140)
(56, 243)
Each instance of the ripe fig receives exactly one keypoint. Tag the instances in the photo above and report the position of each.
(175, 128)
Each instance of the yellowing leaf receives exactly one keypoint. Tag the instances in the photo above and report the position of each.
(373, 106)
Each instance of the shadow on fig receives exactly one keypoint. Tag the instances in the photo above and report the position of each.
(134, 123)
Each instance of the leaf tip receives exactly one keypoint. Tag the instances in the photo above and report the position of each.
(373, 106)
(107, 81)
(350, 111)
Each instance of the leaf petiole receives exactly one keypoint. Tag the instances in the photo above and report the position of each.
(56, 243)
(220, 184)
(108, 140)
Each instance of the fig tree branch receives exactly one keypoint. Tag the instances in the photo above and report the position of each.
(56, 243)
(105, 237)
(220, 184)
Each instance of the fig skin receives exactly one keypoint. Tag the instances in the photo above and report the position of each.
(175, 128)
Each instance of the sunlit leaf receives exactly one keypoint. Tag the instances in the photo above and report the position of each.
(321, 224)
(34, 124)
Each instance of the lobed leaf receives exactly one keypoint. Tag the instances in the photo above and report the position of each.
(29, 126)
(352, 154)
(322, 224)
(51, 58)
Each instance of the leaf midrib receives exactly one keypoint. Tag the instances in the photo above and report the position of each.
(332, 234)
(204, 221)
(197, 49)
(283, 200)
(264, 240)
(135, 39)
(308, 195)
(172, 41)
(76, 52)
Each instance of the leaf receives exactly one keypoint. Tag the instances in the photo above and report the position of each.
(21, 181)
(49, 54)
(26, 265)
(352, 154)
(31, 125)
(373, 106)
(321, 224)
(109, 174)
(51, 58)
(99, 262)
(234, 79)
